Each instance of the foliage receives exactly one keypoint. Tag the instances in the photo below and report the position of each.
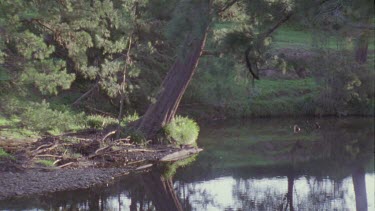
(46, 163)
(182, 130)
(129, 118)
(70, 45)
(52, 45)
(100, 122)
(33, 117)
(219, 87)
(4, 154)
(40, 117)
(347, 87)
(51, 53)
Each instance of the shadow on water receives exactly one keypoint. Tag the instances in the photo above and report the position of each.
(246, 165)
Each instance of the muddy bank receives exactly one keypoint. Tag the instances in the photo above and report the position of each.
(30, 182)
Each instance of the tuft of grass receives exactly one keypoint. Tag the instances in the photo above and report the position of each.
(129, 118)
(4, 154)
(47, 163)
(183, 130)
(100, 122)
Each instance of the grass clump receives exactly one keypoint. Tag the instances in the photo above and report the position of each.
(4, 154)
(129, 118)
(47, 163)
(99, 121)
(183, 130)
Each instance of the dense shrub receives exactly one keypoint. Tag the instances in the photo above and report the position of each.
(346, 86)
(40, 117)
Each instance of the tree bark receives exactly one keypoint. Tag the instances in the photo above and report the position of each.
(172, 89)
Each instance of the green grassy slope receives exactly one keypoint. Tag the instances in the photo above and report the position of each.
(219, 90)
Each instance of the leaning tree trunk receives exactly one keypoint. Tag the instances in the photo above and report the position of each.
(172, 89)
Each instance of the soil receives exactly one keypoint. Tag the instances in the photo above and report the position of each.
(28, 182)
(79, 160)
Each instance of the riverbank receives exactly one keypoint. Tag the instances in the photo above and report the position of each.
(35, 182)
(76, 161)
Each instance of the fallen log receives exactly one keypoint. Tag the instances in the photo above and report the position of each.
(179, 155)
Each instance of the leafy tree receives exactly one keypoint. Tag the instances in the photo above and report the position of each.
(51, 45)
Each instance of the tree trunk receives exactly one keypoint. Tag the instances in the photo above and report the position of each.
(172, 90)
(361, 48)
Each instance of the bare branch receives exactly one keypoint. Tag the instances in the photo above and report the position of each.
(227, 6)
(86, 93)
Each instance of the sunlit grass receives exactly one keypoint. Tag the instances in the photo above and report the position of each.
(292, 37)
(47, 163)
(183, 130)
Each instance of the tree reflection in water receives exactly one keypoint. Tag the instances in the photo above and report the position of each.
(359, 184)
(320, 174)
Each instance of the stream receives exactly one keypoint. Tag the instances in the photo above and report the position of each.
(258, 164)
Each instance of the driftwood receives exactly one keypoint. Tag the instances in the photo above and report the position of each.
(56, 161)
(127, 139)
(40, 150)
(179, 155)
(143, 150)
(43, 146)
(48, 155)
(65, 165)
(108, 134)
(134, 162)
(144, 167)
(103, 148)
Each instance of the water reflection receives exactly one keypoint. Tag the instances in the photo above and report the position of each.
(252, 165)
(161, 191)
(359, 184)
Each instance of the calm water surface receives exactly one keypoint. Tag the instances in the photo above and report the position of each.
(246, 165)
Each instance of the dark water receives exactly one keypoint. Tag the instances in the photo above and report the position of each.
(246, 165)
